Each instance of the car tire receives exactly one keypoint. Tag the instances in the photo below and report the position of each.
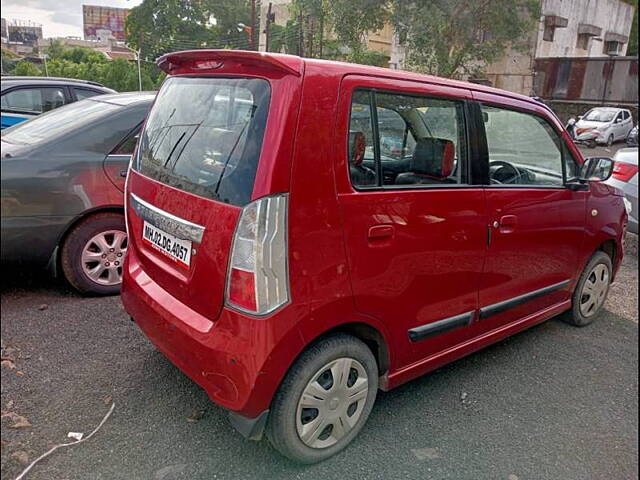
(610, 140)
(84, 252)
(286, 423)
(590, 288)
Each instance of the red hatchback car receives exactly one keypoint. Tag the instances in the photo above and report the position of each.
(291, 266)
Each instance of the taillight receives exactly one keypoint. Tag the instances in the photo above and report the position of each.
(624, 171)
(258, 277)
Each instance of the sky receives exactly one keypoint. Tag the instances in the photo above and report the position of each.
(59, 18)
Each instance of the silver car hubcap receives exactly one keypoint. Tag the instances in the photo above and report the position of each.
(332, 403)
(103, 255)
(594, 291)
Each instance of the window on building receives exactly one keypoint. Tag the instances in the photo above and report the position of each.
(583, 41)
(612, 48)
(549, 32)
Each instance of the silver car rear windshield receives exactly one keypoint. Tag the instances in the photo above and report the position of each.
(60, 121)
(204, 136)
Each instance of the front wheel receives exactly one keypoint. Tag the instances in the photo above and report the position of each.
(324, 400)
(610, 140)
(592, 290)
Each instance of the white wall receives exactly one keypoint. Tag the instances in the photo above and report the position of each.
(610, 15)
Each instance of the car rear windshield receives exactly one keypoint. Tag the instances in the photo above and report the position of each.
(204, 136)
(60, 121)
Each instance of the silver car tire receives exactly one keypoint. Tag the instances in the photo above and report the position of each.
(93, 253)
(592, 289)
(324, 399)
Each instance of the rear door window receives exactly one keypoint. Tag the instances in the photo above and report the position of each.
(406, 141)
(204, 136)
(82, 93)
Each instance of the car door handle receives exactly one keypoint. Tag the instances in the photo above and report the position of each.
(507, 224)
(381, 232)
(123, 173)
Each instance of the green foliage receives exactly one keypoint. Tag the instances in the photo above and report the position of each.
(632, 48)
(454, 37)
(87, 64)
(160, 26)
(8, 54)
(351, 19)
(24, 68)
(368, 57)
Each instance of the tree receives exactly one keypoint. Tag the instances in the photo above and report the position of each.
(632, 48)
(25, 68)
(352, 19)
(450, 38)
(160, 26)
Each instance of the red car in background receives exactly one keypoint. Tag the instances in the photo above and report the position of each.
(291, 267)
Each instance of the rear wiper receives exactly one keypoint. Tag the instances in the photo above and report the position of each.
(173, 149)
(235, 145)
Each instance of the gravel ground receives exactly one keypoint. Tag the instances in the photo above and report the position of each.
(554, 402)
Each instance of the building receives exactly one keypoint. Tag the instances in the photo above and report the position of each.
(104, 23)
(566, 29)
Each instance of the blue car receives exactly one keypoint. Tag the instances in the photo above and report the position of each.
(26, 97)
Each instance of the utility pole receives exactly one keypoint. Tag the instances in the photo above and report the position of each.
(271, 17)
(138, 53)
(321, 29)
(253, 25)
(301, 36)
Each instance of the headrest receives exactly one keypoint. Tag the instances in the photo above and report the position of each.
(433, 157)
(357, 146)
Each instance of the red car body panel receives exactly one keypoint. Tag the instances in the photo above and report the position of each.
(341, 276)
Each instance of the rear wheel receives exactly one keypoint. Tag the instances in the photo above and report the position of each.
(591, 292)
(93, 254)
(324, 400)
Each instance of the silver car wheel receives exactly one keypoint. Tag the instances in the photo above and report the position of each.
(594, 290)
(332, 402)
(103, 255)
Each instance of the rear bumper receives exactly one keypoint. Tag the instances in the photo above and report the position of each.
(229, 357)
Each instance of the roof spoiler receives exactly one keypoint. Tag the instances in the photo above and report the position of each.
(201, 60)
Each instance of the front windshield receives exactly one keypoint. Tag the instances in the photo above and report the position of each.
(57, 122)
(596, 115)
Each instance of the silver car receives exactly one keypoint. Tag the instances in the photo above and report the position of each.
(625, 177)
(604, 125)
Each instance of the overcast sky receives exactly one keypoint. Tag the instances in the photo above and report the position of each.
(59, 18)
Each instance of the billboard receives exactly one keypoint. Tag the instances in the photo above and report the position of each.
(27, 34)
(99, 23)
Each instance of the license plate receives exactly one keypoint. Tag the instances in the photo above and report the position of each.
(175, 248)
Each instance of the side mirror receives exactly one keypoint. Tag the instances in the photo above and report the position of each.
(618, 120)
(596, 169)
(579, 117)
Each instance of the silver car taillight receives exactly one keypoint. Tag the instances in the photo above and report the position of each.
(258, 277)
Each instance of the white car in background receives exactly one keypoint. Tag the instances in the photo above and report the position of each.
(625, 177)
(604, 125)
